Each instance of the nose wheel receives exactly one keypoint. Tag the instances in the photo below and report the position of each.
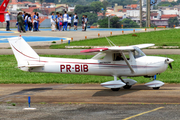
(115, 89)
(156, 88)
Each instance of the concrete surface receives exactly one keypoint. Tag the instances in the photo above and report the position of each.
(88, 93)
(90, 112)
(76, 35)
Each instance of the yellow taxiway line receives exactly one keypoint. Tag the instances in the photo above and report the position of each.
(143, 113)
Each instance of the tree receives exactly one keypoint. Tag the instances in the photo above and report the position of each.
(128, 23)
(103, 23)
(173, 21)
(79, 9)
(96, 6)
(114, 22)
(122, 2)
(167, 4)
(105, 4)
(178, 2)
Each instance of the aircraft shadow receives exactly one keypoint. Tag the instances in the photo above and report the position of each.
(25, 92)
(122, 91)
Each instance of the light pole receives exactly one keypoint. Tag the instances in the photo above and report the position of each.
(108, 21)
(140, 2)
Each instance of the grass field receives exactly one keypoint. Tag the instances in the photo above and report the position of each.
(159, 38)
(9, 73)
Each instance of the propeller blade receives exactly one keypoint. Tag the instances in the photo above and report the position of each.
(170, 66)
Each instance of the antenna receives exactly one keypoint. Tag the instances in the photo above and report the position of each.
(110, 42)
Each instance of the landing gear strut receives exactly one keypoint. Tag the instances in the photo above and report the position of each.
(128, 82)
(127, 86)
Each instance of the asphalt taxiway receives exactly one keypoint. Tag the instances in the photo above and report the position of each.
(89, 93)
(89, 112)
(88, 101)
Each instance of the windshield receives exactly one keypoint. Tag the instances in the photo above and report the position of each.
(138, 53)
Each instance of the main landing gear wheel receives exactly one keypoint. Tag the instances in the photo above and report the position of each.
(115, 89)
(127, 86)
(156, 88)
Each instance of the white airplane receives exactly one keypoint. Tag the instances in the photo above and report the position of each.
(124, 61)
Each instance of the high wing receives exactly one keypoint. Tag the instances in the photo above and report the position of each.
(95, 50)
(118, 48)
(141, 46)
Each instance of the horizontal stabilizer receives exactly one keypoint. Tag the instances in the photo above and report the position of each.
(32, 66)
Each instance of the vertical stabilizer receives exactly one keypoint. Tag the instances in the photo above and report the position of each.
(4, 5)
(22, 51)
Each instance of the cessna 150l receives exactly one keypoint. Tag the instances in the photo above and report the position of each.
(125, 61)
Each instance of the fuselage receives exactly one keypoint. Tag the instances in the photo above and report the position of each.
(145, 65)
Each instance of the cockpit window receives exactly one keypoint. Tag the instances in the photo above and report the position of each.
(138, 53)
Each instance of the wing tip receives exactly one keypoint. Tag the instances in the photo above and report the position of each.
(94, 50)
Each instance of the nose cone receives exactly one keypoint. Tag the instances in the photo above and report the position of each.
(169, 60)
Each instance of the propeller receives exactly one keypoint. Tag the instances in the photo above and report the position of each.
(170, 66)
(169, 63)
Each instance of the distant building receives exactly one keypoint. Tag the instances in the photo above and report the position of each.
(117, 8)
(172, 0)
(155, 16)
(15, 5)
(132, 13)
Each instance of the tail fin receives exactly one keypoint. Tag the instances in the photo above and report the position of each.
(22, 51)
(4, 5)
(1, 17)
(2, 9)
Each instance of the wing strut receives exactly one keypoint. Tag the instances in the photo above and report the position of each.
(124, 57)
(110, 42)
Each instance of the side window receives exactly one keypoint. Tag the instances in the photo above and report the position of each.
(119, 57)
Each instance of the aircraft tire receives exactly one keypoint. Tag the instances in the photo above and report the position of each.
(115, 89)
(127, 86)
(156, 88)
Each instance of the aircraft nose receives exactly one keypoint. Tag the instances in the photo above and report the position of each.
(169, 60)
